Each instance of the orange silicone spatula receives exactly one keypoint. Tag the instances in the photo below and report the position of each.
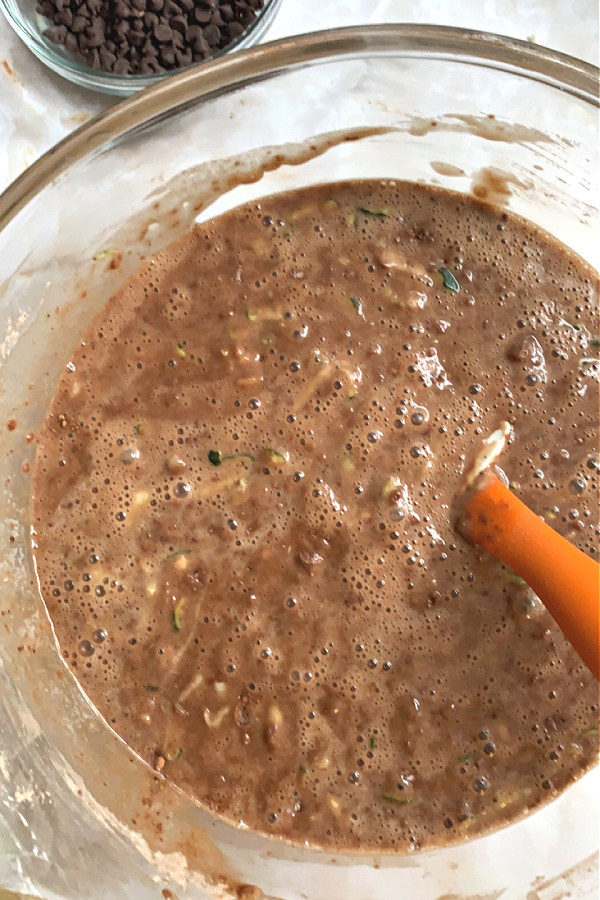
(566, 580)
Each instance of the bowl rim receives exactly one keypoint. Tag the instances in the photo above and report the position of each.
(109, 82)
(436, 42)
(220, 76)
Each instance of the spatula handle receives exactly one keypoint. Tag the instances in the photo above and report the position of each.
(566, 580)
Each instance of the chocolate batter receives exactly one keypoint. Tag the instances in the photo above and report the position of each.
(243, 514)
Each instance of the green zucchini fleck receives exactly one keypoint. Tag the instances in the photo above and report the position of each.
(449, 280)
(104, 254)
(470, 757)
(216, 457)
(516, 579)
(275, 455)
(376, 213)
(399, 801)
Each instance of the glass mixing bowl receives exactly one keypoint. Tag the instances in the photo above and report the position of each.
(476, 112)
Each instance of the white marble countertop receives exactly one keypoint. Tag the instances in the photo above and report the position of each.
(38, 108)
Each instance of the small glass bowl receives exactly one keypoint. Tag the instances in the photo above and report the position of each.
(30, 25)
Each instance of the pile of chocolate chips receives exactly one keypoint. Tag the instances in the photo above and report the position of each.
(138, 37)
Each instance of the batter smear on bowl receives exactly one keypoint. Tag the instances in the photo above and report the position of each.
(243, 521)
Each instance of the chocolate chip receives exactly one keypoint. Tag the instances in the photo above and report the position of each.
(57, 34)
(107, 58)
(145, 36)
(79, 24)
(234, 30)
(95, 40)
(195, 38)
(167, 56)
(201, 50)
(93, 59)
(212, 35)
(65, 18)
(179, 24)
(183, 57)
(202, 15)
(246, 15)
(121, 67)
(163, 33)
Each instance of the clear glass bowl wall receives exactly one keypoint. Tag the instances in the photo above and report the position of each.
(81, 816)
